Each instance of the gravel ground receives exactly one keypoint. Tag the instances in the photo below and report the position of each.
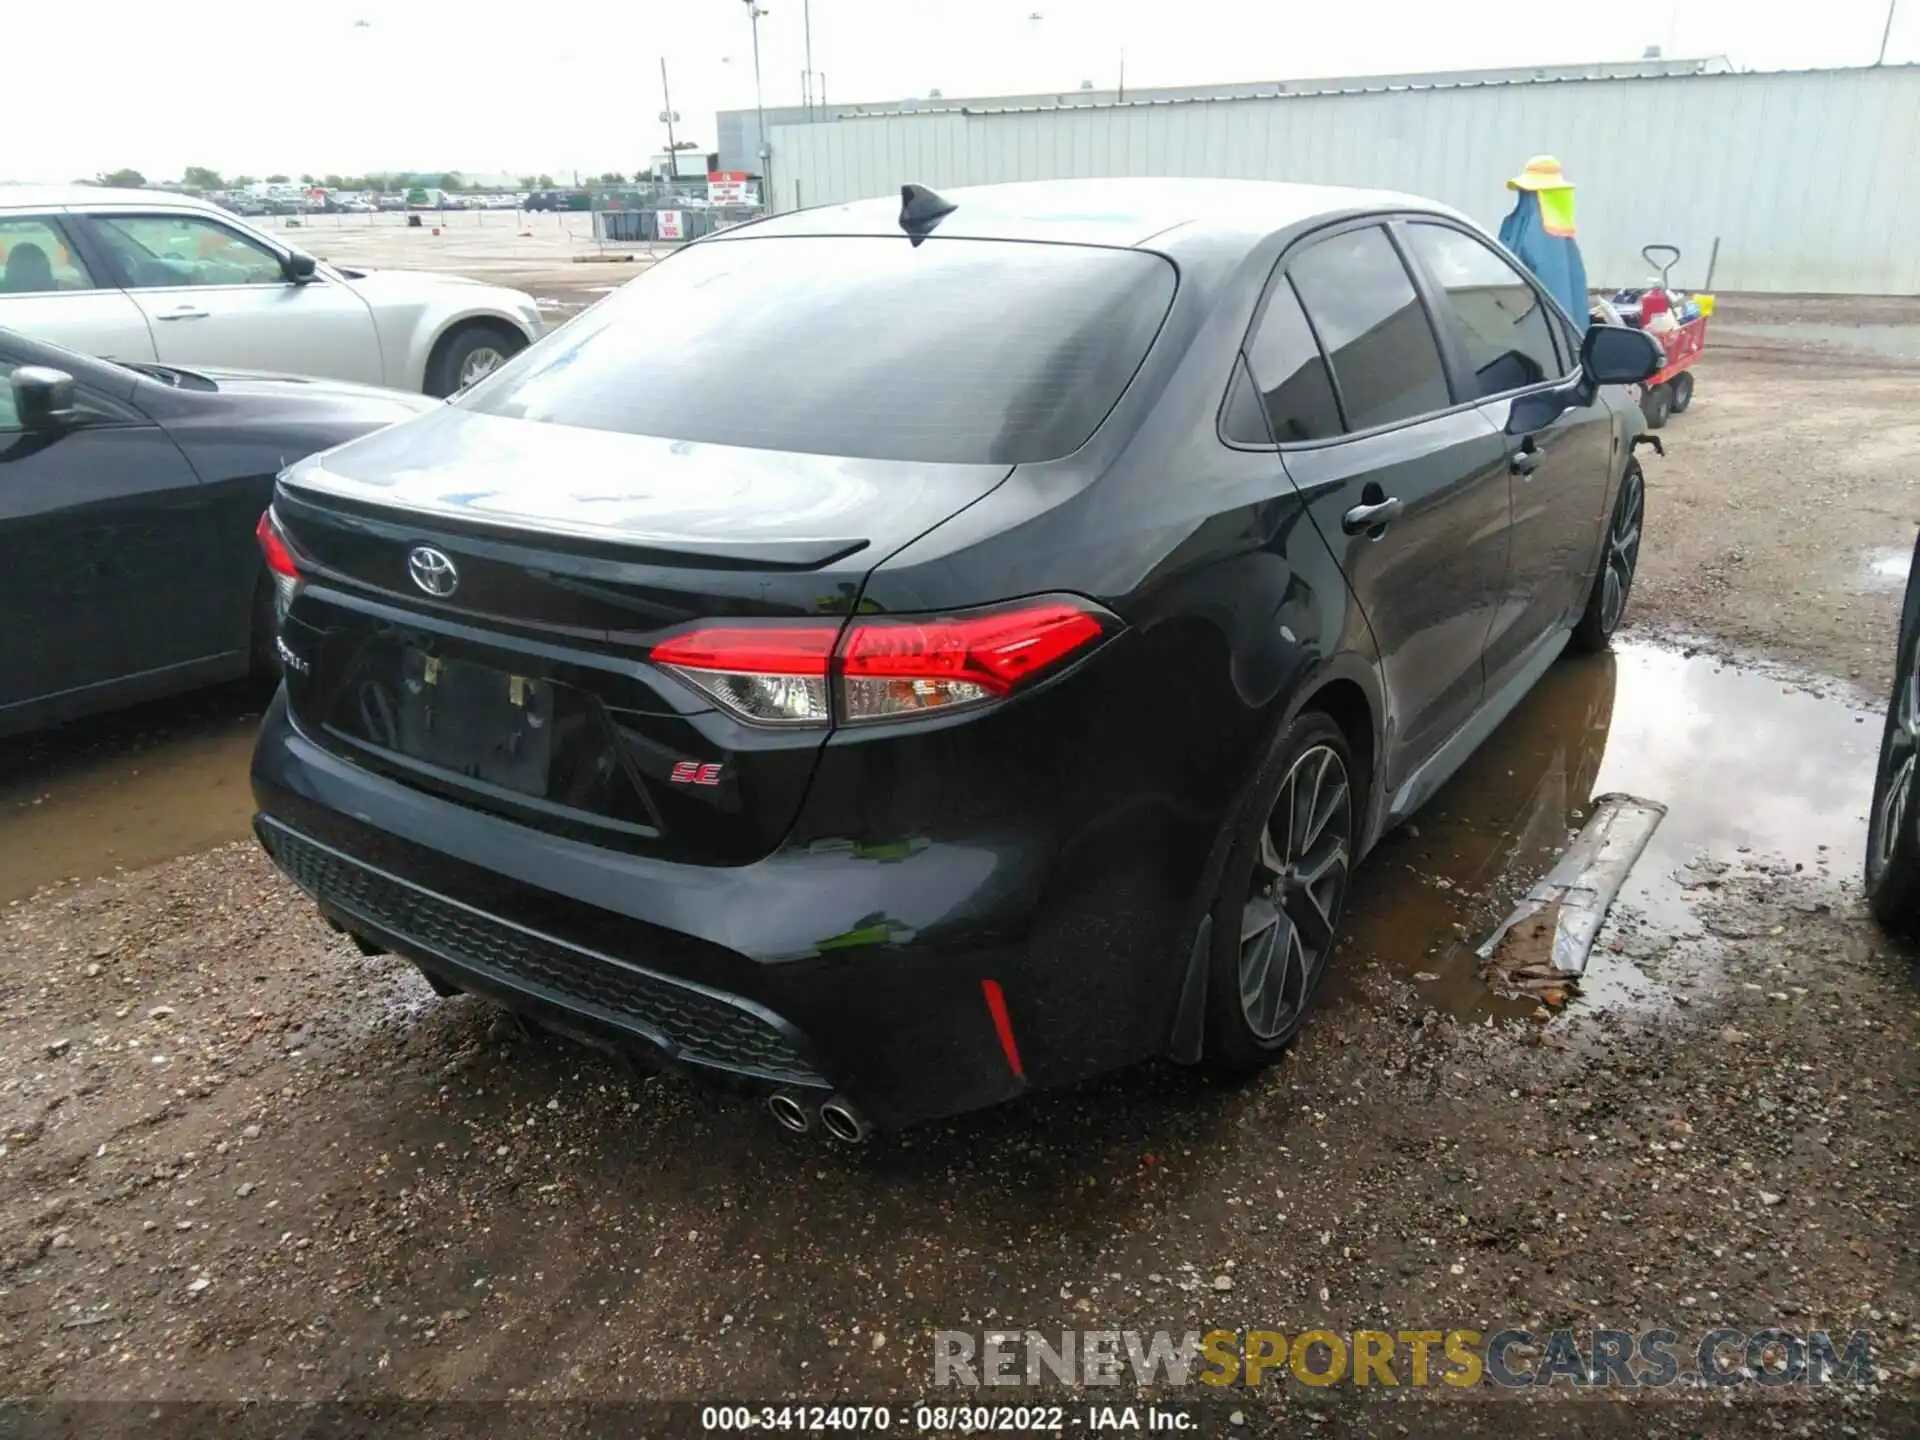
(238, 1160)
(1788, 479)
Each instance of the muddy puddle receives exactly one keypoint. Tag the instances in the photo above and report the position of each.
(125, 790)
(1887, 569)
(1753, 772)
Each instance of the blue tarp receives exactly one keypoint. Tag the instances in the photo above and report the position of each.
(1554, 259)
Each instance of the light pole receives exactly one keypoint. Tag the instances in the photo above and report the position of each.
(754, 12)
(806, 87)
(1887, 31)
(667, 117)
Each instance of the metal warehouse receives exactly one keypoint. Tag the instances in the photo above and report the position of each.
(1802, 177)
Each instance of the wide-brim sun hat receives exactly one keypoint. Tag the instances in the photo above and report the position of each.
(1542, 172)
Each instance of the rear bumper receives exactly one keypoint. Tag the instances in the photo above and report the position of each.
(820, 967)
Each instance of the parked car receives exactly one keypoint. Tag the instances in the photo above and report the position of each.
(909, 655)
(1893, 825)
(143, 275)
(128, 504)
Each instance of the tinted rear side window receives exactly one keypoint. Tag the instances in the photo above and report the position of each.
(1499, 318)
(870, 347)
(1288, 368)
(1375, 330)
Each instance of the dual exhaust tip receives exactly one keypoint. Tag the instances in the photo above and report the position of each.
(839, 1116)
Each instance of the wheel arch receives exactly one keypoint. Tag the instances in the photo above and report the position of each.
(431, 338)
(1347, 690)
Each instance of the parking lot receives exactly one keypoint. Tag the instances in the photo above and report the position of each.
(552, 256)
(240, 1158)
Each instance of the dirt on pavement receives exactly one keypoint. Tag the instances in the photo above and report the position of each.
(1781, 520)
(240, 1160)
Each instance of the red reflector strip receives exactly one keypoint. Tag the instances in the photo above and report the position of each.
(279, 558)
(1003, 1025)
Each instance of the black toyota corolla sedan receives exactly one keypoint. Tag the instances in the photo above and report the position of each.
(907, 654)
(129, 499)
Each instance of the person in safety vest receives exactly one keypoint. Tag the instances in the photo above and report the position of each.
(1540, 231)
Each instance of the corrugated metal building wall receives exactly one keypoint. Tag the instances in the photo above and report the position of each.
(1807, 177)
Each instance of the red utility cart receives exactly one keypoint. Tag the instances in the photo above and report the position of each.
(1683, 338)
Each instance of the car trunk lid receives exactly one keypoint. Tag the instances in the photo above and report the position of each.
(480, 595)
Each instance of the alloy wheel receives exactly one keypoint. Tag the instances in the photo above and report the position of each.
(1623, 549)
(481, 362)
(1299, 883)
(1902, 750)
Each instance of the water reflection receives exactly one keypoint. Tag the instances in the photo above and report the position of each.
(1743, 763)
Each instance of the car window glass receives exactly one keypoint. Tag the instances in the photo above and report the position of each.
(1500, 320)
(1290, 371)
(1373, 326)
(35, 257)
(167, 250)
(1569, 345)
(955, 350)
(1242, 420)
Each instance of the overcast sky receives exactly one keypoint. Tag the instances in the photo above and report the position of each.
(353, 85)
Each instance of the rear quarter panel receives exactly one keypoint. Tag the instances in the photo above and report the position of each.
(1112, 787)
(412, 312)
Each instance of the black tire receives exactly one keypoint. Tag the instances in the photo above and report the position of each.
(1657, 405)
(463, 348)
(1619, 561)
(1682, 391)
(1297, 908)
(1893, 841)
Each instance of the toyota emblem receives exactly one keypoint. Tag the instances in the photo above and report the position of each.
(432, 570)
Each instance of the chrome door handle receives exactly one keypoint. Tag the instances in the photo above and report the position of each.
(1371, 517)
(184, 314)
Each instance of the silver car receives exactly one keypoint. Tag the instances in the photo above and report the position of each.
(138, 275)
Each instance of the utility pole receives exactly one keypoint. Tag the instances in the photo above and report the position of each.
(1887, 31)
(806, 87)
(754, 12)
(667, 117)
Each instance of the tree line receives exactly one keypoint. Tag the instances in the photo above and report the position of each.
(200, 177)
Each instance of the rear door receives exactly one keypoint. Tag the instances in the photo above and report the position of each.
(1408, 488)
(216, 296)
(1500, 330)
(107, 559)
(49, 290)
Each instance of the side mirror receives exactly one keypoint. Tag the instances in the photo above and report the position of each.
(299, 268)
(1619, 355)
(43, 398)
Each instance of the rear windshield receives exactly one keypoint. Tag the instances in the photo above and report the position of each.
(964, 351)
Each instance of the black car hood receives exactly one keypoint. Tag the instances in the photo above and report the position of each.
(714, 501)
(266, 384)
(254, 424)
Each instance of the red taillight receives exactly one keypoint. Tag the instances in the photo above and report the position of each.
(752, 649)
(885, 667)
(770, 674)
(903, 667)
(280, 563)
(274, 547)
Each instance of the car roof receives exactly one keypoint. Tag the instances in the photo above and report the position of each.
(86, 197)
(1118, 212)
